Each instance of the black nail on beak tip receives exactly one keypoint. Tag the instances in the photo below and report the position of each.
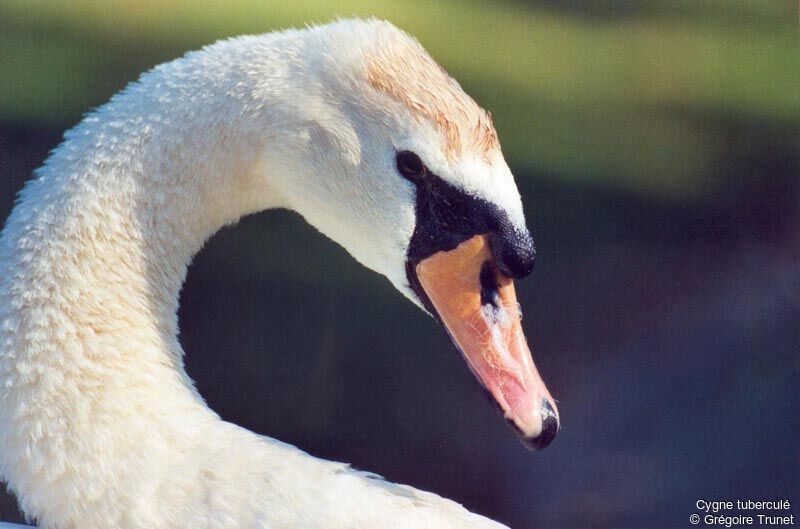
(549, 429)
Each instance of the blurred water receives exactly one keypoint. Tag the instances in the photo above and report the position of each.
(668, 331)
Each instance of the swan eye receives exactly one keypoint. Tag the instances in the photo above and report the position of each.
(410, 166)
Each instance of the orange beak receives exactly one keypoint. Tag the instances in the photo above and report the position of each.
(478, 307)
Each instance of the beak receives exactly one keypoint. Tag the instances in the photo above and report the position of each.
(478, 307)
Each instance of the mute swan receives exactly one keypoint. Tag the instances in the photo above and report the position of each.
(350, 124)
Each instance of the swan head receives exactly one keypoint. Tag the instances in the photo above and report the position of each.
(389, 157)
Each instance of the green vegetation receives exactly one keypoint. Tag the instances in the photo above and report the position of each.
(637, 95)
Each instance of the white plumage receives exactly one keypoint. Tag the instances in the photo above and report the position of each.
(100, 426)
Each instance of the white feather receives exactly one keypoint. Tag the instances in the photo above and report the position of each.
(100, 426)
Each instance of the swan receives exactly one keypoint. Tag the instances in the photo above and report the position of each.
(351, 124)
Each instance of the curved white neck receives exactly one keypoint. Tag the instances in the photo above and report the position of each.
(99, 424)
(93, 392)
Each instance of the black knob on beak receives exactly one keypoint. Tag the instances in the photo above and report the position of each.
(513, 249)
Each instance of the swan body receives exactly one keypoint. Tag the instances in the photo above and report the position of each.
(100, 426)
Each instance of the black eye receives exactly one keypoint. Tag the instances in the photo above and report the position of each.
(410, 166)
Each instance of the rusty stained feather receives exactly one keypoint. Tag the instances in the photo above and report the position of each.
(405, 72)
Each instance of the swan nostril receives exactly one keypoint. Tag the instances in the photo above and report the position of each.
(490, 294)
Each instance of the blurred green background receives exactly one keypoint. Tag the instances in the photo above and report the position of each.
(631, 94)
(655, 144)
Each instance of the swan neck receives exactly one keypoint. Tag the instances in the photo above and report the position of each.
(92, 259)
